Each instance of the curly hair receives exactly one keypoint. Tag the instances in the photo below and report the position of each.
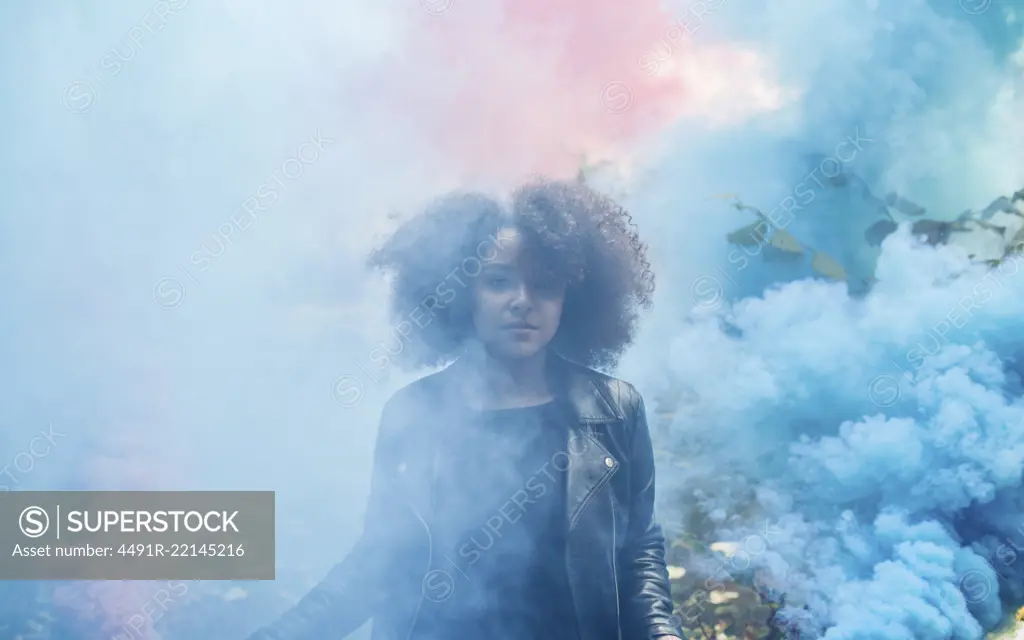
(574, 234)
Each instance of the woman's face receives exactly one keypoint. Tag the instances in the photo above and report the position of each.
(517, 312)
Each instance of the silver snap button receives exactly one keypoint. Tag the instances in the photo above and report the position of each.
(401, 468)
(608, 462)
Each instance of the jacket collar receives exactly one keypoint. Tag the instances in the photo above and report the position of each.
(586, 397)
(581, 390)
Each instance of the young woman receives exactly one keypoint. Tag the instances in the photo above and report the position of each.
(512, 493)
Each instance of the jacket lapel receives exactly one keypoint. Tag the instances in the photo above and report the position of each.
(427, 428)
(591, 465)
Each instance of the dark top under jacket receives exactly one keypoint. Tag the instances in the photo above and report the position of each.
(409, 559)
(501, 531)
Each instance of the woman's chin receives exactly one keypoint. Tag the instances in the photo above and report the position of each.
(517, 351)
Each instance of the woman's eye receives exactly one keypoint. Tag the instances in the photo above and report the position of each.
(496, 281)
(549, 288)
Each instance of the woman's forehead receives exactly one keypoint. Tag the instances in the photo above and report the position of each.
(508, 246)
(515, 252)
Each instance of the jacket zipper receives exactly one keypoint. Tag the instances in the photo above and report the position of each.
(430, 555)
(583, 507)
(430, 538)
(615, 568)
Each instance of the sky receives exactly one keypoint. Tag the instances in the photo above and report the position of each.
(192, 189)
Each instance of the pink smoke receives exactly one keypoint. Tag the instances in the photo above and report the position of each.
(119, 610)
(136, 457)
(531, 86)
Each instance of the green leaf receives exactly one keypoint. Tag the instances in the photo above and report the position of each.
(903, 205)
(934, 231)
(1017, 240)
(879, 231)
(828, 266)
(751, 235)
(991, 227)
(782, 239)
(771, 254)
(999, 205)
(739, 206)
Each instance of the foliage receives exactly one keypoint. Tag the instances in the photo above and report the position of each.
(765, 233)
(742, 609)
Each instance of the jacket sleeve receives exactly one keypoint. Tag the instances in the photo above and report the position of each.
(343, 601)
(645, 593)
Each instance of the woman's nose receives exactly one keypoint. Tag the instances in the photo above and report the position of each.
(521, 297)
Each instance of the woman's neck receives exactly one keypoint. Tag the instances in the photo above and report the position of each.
(498, 383)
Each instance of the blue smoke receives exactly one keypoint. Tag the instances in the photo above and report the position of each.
(865, 438)
(874, 466)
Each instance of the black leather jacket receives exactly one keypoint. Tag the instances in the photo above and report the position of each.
(616, 550)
